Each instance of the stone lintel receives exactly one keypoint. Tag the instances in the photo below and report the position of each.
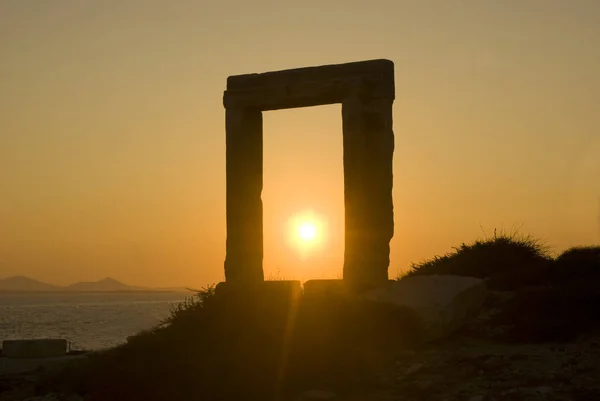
(310, 86)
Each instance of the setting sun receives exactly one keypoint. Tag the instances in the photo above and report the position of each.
(306, 232)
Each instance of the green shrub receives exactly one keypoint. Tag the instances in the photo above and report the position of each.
(509, 261)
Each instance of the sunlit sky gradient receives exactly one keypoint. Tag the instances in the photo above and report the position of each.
(112, 133)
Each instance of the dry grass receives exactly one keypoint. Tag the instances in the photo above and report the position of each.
(508, 260)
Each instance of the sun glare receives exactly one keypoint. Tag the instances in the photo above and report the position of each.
(306, 232)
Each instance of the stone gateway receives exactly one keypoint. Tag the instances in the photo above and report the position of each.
(366, 92)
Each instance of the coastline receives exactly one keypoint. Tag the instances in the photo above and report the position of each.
(62, 292)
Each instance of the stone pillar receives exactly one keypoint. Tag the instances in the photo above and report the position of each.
(244, 171)
(368, 180)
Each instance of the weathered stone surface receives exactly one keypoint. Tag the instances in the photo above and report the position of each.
(443, 303)
(382, 68)
(366, 91)
(320, 289)
(38, 348)
(276, 290)
(311, 86)
(368, 180)
(244, 171)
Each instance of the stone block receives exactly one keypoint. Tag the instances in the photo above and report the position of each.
(36, 348)
(276, 289)
(442, 303)
(325, 289)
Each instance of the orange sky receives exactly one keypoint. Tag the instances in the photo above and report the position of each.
(112, 134)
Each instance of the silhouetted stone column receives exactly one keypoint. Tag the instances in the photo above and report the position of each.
(244, 170)
(368, 181)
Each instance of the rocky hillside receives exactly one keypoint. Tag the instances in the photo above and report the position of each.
(533, 336)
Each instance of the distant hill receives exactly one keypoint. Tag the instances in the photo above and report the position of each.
(26, 284)
(107, 284)
(21, 283)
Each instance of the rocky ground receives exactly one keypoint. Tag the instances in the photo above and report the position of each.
(475, 370)
(460, 368)
(471, 369)
(28, 386)
(518, 348)
(479, 364)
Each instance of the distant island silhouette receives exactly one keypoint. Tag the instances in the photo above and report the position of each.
(26, 284)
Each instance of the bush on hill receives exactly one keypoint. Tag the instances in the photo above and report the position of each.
(576, 264)
(556, 299)
(563, 305)
(508, 261)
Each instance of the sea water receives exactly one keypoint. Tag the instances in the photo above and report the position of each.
(88, 321)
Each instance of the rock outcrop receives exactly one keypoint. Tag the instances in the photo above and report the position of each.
(443, 303)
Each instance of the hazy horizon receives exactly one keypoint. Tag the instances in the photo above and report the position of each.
(99, 280)
(112, 130)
